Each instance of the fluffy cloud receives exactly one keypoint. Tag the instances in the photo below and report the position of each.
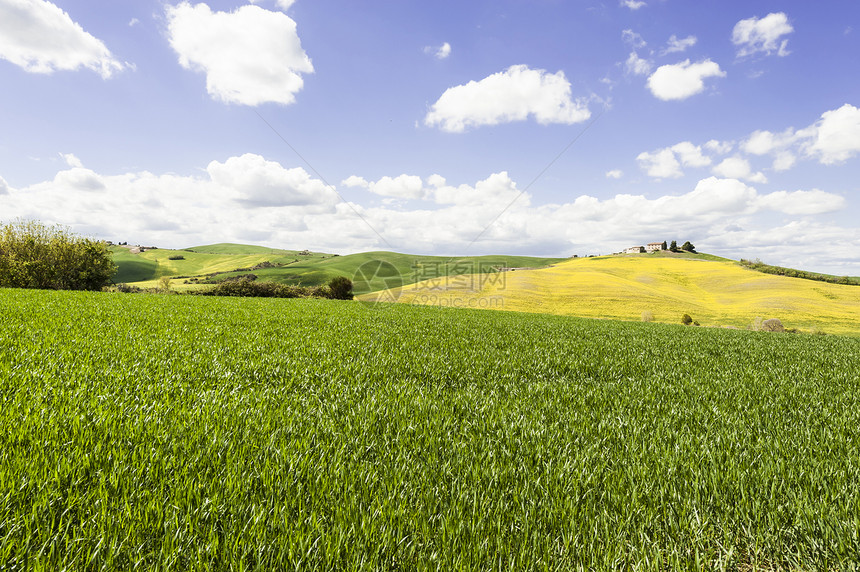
(254, 181)
(802, 202)
(71, 160)
(634, 39)
(614, 174)
(719, 147)
(41, 38)
(666, 163)
(738, 168)
(4, 186)
(836, 136)
(754, 35)
(242, 198)
(660, 164)
(282, 4)
(764, 142)
(497, 189)
(250, 199)
(833, 139)
(439, 52)
(250, 56)
(682, 80)
(511, 95)
(676, 44)
(776, 144)
(633, 4)
(79, 179)
(401, 187)
(691, 155)
(637, 65)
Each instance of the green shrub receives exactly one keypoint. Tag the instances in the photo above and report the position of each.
(176, 257)
(248, 287)
(126, 288)
(686, 319)
(33, 255)
(340, 288)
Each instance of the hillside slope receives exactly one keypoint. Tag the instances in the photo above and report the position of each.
(370, 271)
(713, 292)
(147, 267)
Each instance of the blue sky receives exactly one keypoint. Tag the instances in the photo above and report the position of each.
(540, 127)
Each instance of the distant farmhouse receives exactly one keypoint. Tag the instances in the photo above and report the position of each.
(651, 247)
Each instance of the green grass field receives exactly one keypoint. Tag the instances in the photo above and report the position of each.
(182, 432)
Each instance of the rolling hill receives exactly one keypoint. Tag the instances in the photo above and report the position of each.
(369, 271)
(714, 291)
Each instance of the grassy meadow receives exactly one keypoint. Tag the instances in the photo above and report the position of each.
(369, 271)
(184, 432)
(715, 292)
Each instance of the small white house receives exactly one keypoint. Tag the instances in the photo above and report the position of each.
(634, 250)
(654, 247)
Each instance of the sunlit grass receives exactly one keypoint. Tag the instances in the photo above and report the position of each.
(174, 432)
(719, 293)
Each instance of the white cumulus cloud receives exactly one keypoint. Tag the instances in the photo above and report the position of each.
(682, 80)
(633, 4)
(439, 52)
(251, 199)
(719, 147)
(666, 163)
(355, 181)
(71, 160)
(833, 139)
(256, 182)
(738, 168)
(660, 164)
(504, 97)
(762, 35)
(802, 202)
(282, 4)
(836, 136)
(676, 44)
(39, 37)
(690, 155)
(614, 174)
(636, 65)
(401, 187)
(633, 38)
(250, 56)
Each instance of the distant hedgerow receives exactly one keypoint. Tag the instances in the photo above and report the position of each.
(760, 266)
(339, 288)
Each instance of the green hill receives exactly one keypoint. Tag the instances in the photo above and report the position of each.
(370, 271)
(231, 248)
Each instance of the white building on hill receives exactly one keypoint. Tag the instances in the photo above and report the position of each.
(654, 247)
(634, 250)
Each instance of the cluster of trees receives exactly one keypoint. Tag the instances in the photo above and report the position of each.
(686, 247)
(338, 288)
(33, 255)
